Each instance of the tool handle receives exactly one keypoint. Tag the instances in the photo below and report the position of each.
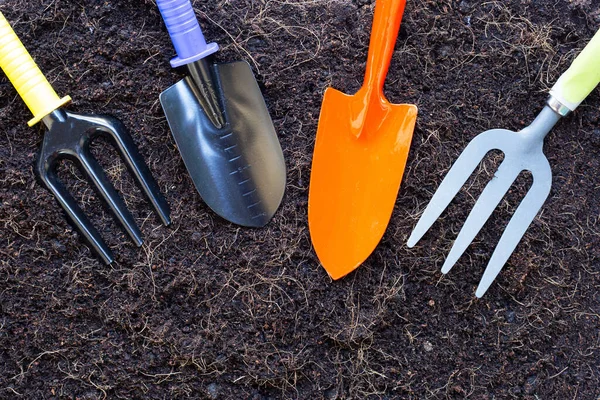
(581, 78)
(185, 32)
(25, 75)
(386, 23)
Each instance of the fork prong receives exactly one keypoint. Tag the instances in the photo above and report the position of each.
(518, 224)
(75, 213)
(138, 167)
(96, 174)
(462, 169)
(488, 201)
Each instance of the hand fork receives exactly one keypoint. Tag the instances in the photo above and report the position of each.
(68, 137)
(522, 151)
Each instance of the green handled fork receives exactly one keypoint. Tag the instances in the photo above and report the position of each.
(522, 151)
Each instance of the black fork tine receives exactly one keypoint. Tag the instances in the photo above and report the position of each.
(69, 136)
(108, 192)
(136, 164)
(47, 173)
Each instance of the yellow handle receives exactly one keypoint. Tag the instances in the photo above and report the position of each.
(25, 75)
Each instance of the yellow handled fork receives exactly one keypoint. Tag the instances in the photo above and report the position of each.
(68, 137)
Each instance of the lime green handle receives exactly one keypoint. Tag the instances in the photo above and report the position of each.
(581, 77)
(25, 75)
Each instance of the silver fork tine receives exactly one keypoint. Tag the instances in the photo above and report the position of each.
(488, 201)
(518, 224)
(457, 176)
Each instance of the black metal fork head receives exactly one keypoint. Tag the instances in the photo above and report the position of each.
(69, 136)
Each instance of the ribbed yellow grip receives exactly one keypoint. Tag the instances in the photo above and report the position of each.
(25, 75)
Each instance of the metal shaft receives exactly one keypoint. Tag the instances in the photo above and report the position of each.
(541, 126)
(202, 81)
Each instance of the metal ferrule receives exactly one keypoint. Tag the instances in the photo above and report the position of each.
(57, 115)
(557, 106)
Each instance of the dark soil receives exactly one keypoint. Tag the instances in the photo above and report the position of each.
(207, 309)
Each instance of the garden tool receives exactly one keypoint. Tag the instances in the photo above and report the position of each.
(68, 137)
(221, 125)
(360, 153)
(522, 151)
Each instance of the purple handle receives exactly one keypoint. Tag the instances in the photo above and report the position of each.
(185, 32)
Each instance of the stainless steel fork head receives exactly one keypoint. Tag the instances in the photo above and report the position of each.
(69, 136)
(523, 151)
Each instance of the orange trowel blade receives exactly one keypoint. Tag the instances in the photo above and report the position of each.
(360, 153)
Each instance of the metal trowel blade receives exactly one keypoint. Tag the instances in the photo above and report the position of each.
(239, 169)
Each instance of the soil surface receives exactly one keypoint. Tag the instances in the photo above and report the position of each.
(206, 309)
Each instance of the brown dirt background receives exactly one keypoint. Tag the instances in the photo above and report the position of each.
(209, 310)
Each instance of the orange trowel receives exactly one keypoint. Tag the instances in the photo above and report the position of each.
(360, 153)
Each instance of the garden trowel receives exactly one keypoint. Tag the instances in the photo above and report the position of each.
(360, 153)
(222, 127)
